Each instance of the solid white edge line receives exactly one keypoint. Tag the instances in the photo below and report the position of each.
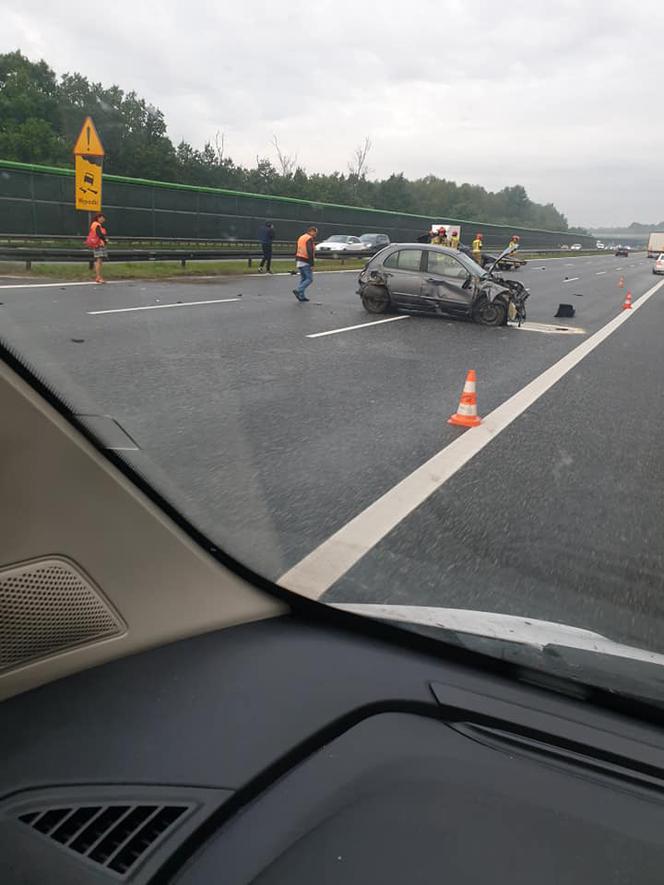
(360, 326)
(61, 285)
(93, 313)
(328, 562)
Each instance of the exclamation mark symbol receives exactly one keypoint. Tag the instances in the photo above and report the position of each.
(88, 133)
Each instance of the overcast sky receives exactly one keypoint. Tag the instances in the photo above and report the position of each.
(562, 97)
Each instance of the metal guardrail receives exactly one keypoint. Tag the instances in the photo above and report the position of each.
(56, 255)
(225, 250)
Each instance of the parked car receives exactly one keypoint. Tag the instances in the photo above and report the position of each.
(374, 242)
(622, 251)
(658, 266)
(575, 247)
(435, 279)
(340, 243)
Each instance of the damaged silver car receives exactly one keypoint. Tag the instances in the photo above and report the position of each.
(419, 278)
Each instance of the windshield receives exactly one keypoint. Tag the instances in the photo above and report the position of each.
(363, 429)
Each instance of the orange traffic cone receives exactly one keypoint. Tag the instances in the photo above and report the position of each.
(466, 415)
(628, 301)
(621, 283)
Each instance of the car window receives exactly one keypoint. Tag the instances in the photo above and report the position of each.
(446, 266)
(405, 259)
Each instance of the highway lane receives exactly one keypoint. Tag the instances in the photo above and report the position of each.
(560, 517)
(270, 440)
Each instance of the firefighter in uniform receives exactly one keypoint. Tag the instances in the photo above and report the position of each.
(476, 248)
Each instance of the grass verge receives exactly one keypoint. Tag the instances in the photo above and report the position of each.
(157, 270)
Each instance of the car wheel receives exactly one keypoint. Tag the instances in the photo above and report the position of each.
(491, 313)
(376, 299)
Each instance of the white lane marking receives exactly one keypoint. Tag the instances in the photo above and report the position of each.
(619, 268)
(60, 285)
(598, 273)
(93, 313)
(571, 279)
(321, 568)
(569, 265)
(266, 276)
(548, 329)
(360, 326)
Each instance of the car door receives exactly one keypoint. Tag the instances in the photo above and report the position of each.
(403, 269)
(446, 283)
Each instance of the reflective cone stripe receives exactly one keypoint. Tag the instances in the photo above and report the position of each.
(628, 301)
(466, 414)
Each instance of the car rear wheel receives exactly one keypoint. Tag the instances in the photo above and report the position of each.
(376, 299)
(491, 313)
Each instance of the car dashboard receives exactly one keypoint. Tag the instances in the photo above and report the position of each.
(296, 750)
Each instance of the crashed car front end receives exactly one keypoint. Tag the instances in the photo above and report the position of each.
(513, 293)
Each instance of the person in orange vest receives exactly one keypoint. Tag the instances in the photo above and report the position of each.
(476, 248)
(97, 241)
(304, 261)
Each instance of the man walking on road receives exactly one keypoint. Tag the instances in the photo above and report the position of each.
(265, 237)
(304, 261)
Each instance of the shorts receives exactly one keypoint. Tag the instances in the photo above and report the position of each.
(101, 252)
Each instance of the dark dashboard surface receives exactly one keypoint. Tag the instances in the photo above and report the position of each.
(285, 751)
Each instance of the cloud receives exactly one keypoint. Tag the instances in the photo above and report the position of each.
(563, 98)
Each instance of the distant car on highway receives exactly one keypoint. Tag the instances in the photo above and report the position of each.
(658, 266)
(575, 247)
(565, 247)
(622, 251)
(340, 244)
(374, 242)
(420, 278)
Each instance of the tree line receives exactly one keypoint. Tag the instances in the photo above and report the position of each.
(41, 115)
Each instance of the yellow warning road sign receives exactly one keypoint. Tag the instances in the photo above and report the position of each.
(88, 142)
(88, 184)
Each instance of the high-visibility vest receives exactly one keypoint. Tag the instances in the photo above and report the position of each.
(477, 245)
(454, 241)
(301, 252)
(513, 243)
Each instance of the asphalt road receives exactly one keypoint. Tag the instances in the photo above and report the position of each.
(272, 441)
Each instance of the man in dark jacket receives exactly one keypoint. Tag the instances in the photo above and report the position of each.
(265, 237)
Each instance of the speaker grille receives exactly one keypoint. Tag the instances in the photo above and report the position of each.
(48, 606)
